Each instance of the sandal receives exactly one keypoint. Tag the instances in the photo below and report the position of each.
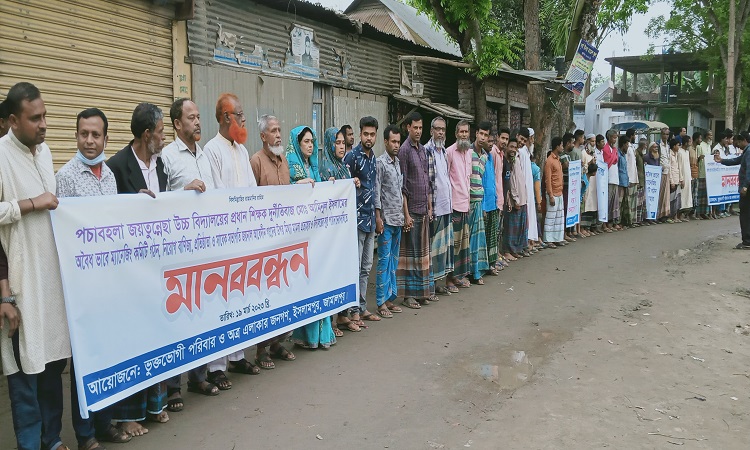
(91, 444)
(337, 332)
(452, 289)
(463, 283)
(411, 303)
(350, 325)
(208, 389)
(493, 271)
(175, 404)
(264, 361)
(370, 317)
(423, 301)
(114, 435)
(243, 366)
(393, 308)
(283, 354)
(479, 281)
(434, 298)
(219, 379)
(384, 312)
(357, 320)
(442, 290)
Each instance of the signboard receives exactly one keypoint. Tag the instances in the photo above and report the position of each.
(155, 287)
(580, 68)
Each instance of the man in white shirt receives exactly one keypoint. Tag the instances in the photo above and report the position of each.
(34, 357)
(230, 160)
(187, 167)
(632, 191)
(230, 168)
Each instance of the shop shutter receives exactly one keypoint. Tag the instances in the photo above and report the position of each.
(88, 53)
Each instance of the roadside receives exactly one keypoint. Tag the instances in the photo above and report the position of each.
(603, 342)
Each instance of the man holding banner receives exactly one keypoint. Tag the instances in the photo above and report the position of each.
(86, 175)
(34, 357)
(743, 140)
(138, 168)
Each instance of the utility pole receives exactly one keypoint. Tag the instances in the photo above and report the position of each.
(729, 113)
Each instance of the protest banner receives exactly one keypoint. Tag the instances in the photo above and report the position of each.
(653, 185)
(573, 214)
(722, 183)
(155, 287)
(580, 67)
(602, 187)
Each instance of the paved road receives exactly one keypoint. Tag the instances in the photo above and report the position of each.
(579, 347)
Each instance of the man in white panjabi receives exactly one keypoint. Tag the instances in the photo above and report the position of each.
(525, 154)
(230, 168)
(34, 358)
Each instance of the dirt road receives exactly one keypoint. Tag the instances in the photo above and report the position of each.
(638, 339)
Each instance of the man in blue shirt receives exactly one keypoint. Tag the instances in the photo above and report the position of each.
(361, 163)
(743, 141)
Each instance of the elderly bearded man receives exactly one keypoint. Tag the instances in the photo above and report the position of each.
(441, 227)
(138, 168)
(271, 168)
(230, 168)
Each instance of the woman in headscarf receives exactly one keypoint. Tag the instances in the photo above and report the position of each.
(301, 154)
(332, 168)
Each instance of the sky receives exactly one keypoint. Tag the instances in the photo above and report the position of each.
(634, 42)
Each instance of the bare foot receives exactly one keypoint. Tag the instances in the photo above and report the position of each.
(162, 417)
(133, 428)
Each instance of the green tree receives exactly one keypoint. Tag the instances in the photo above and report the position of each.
(704, 28)
(483, 43)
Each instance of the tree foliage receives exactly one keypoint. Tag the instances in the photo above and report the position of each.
(704, 29)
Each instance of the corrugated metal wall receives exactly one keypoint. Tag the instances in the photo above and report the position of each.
(350, 106)
(289, 100)
(87, 53)
(374, 65)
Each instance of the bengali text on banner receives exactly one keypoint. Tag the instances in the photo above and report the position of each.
(573, 214)
(155, 287)
(653, 185)
(722, 183)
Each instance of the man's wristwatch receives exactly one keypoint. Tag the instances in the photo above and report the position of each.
(11, 300)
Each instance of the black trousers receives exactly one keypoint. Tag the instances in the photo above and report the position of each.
(745, 218)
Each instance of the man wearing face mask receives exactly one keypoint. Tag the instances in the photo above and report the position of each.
(230, 160)
(86, 175)
(138, 168)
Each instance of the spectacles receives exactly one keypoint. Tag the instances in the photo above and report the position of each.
(240, 115)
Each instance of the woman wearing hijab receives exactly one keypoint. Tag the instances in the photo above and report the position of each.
(301, 154)
(332, 168)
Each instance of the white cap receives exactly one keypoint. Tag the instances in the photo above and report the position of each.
(590, 136)
(531, 132)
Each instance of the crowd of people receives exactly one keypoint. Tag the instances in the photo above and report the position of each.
(444, 217)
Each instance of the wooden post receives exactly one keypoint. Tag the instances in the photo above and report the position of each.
(729, 111)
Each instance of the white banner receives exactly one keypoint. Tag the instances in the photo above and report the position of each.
(573, 214)
(155, 287)
(602, 188)
(722, 183)
(653, 185)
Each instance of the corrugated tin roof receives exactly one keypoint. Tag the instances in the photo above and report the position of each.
(418, 24)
